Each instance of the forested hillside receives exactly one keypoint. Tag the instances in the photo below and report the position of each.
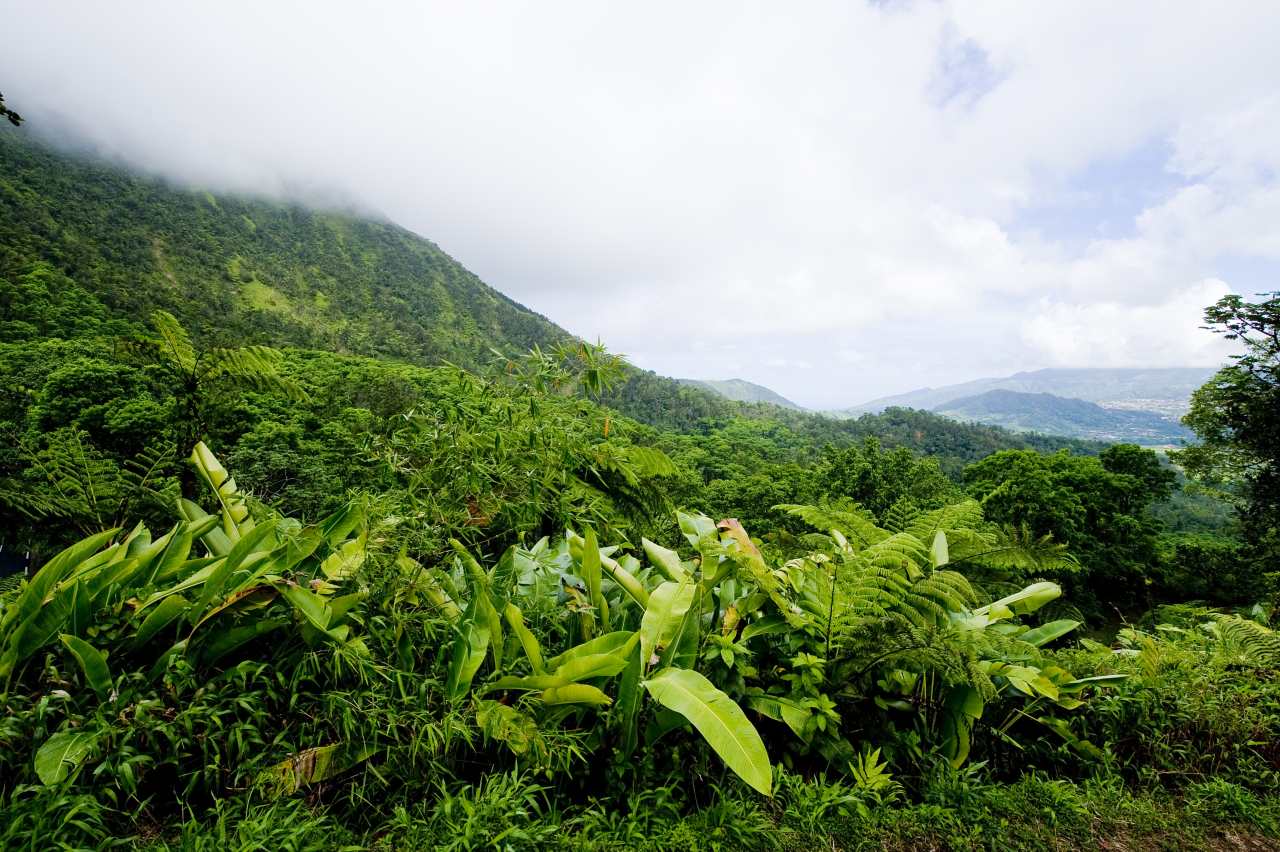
(238, 269)
(741, 390)
(83, 242)
(296, 583)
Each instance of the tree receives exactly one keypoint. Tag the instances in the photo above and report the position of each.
(195, 377)
(1236, 416)
(1097, 506)
(878, 479)
(9, 114)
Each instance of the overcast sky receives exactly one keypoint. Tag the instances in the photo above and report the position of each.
(837, 200)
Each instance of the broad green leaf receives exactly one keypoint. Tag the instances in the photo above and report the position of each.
(235, 514)
(92, 662)
(607, 643)
(311, 766)
(470, 645)
(169, 609)
(225, 641)
(627, 580)
(19, 622)
(530, 682)
(765, 626)
(593, 665)
(576, 693)
(682, 650)
(1023, 602)
(781, 709)
(591, 575)
(696, 527)
(720, 721)
(666, 561)
(627, 710)
(939, 554)
(338, 527)
(214, 538)
(217, 580)
(346, 559)
(1048, 632)
(308, 603)
(963, 707)
(667, 606)
(62, 755)
(529, 642)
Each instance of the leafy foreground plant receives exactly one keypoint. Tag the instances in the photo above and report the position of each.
(876, 617)
(155, 601)
(246, 656)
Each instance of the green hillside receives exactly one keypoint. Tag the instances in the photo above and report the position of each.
(316, 597)
(1056, 415)
(245, 270)
(81, 240)
(740, 390)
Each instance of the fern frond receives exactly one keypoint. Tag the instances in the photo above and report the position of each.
(1258, 644)
(174, 340)
(965, 515)
(854, 522)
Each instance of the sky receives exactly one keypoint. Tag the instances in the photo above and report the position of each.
(837, 200)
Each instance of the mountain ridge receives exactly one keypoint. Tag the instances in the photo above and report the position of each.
(1056, 415)
(1166, 388)
(741, 390)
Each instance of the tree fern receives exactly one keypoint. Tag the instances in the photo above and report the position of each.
(1256, 643)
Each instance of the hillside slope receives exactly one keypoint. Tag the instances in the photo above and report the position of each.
(82, 238)
(1056, 415)
(1164, 390)
(239, 269)
(741, 390)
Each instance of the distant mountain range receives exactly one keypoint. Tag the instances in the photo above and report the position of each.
(1056, 415)
(1139, 405)
(741, 390)
(1165, 390)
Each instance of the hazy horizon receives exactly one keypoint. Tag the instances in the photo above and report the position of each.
(840, 203)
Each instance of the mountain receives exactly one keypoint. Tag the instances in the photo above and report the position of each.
(245, 270)
(1056, 415)
(81, 237)
(1164, 390)
(740, 390)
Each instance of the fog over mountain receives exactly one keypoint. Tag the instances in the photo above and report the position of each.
(838, 202)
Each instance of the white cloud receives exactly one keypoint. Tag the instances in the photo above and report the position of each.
(731, 189)
(1118, 334)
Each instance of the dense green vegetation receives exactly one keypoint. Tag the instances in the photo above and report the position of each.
(547, 600)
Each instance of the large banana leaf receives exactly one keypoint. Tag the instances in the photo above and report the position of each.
(62, 755)
(92, 662)
(720, 721)
(661, 621)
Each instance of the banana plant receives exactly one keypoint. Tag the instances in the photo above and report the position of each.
(208, 604)
(665, 607)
